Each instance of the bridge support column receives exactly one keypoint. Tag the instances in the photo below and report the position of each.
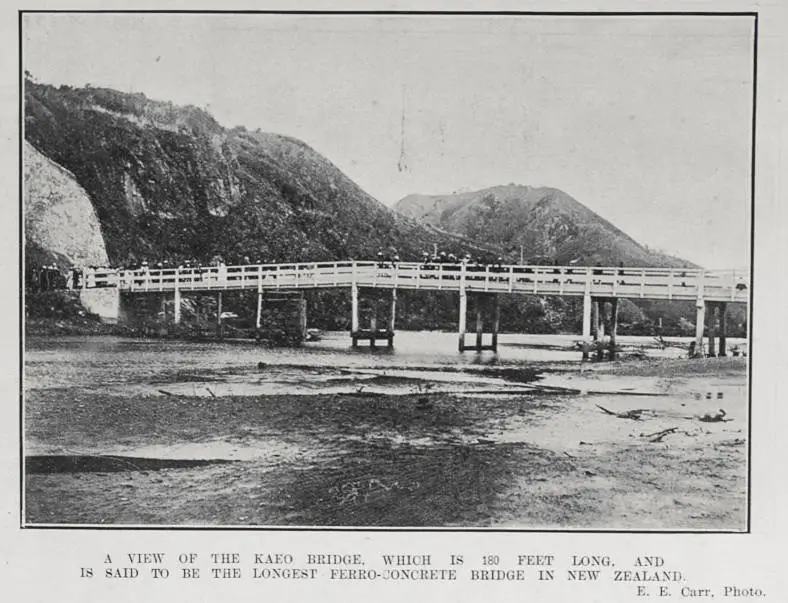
(599, 319)
(496, 321)
(586, 316)
(711, 327)
(177, 307)
(259, 309)
(479, 323)
(463, 312)
(302, 316)
(372, 333)
(613, 326)
(700, 319)
(723, 351)
(373, 323)
(219, 324)
(392, 317)
(354, 313)
(479, 300)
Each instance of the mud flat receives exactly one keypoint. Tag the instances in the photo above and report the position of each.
(620, 445)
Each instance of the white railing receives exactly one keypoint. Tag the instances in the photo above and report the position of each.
(630, 282)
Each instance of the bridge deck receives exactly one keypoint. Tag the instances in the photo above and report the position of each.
(644, 283)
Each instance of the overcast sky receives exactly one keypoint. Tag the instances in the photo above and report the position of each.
(646, 120)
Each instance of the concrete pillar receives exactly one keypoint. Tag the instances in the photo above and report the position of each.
(613, 326)
(392, 317)
(601, 318)
(496, 322)
(259, 309)
(163, 306)
(479, 324)
(177, 307)
(723, 351)
(373, 325)
(463, 312)
(302, 316)
(700, 320)
(599, 327)
(711, 327)
(219, 329)
(393, 310)
(354, 307)
(587, 316)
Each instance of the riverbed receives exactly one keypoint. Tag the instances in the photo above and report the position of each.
(154, 432)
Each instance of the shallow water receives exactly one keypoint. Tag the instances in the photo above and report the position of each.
(420, 362)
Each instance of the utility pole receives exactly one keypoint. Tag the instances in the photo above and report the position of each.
(521, 255)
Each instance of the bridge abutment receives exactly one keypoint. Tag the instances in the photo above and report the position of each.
(105, 302)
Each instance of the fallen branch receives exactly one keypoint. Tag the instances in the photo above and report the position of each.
(210, 392)
(657, 437)
(630, 414)
(166, 393)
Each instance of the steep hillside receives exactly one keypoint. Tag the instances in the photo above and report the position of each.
(548, 224)
(170, 182)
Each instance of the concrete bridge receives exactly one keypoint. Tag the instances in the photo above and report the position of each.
(103, 290)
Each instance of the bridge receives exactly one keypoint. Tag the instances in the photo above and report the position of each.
(599, 287)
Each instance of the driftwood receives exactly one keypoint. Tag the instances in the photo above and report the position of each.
(657, 437)
(210, 392)
(718, 417)
(630, 414)
(166, 393)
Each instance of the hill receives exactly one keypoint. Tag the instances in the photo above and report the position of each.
(169, 182)
(550, 225)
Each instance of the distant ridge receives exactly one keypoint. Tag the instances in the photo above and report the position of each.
(550, 225)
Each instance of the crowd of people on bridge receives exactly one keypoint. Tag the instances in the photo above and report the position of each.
(429, 260)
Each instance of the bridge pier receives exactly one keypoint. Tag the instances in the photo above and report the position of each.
(177, 307)
(479, 303)
(302, 318)
(613, 326)
(716, 325)
(219, 322)
(599, 319)
(258, 318)
(723, 351)
(700, 319)
(373, 333)
(463, 312)
(602, 321)
(711, 328)
(587, 316)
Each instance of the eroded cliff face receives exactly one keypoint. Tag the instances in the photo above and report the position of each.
(60, 222)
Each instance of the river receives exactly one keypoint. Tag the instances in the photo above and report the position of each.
(126, 366)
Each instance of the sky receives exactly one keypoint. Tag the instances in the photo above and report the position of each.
(645, 120)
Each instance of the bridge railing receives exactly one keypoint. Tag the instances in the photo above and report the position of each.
(667, 283)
